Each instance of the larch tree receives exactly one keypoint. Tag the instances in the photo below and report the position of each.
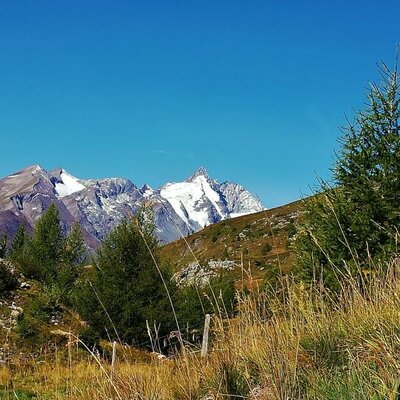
(353, 223)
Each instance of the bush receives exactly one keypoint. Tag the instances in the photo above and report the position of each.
(266, 249)
(89, 336)
(193, 301)
(8, 280)
(3, 245)
(215, 236)
(32, 323)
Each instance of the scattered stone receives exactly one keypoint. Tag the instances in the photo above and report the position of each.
(158, 356)
(242, 235)
(15, 307)
(195, 273)
(25, 285)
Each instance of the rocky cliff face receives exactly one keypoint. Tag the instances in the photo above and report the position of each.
(99, 205)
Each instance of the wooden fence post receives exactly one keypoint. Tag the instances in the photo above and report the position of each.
(150, 336)
(113, 357)
(204, 347)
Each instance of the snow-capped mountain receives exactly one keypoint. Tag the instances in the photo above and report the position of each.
(65, 184)
(200, 201)
(99, 205)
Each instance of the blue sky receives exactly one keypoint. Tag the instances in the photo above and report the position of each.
(255, 91)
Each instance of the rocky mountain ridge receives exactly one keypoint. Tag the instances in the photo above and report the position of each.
(100, 204)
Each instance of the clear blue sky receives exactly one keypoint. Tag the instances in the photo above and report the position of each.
(149, 90)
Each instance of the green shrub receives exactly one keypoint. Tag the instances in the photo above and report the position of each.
(28, 327)
(3, 245)
(266, 249)
(89, 336)
(32, 323)
(291, 229)
(8, 280)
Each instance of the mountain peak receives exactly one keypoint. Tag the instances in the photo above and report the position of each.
(100, 204)
(34, 168)
(66, 184)
(199, 172)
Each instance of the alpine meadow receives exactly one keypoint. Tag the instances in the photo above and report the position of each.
(165, 281)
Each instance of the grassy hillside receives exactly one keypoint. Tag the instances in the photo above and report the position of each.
(257, 241)
(301, 342)
(296, 345)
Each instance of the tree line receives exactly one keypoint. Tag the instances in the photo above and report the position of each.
(118, 290)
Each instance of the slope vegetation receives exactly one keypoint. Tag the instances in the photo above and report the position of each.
(257, 242)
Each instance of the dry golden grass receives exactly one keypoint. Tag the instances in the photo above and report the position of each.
(295, 344)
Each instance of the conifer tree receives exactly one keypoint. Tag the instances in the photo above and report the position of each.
(47, 245)
(127, 285)
(70, 266)
(356, 220)
(19, 242)
(74, 246)
(368, 168)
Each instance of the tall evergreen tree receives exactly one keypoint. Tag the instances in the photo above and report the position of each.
(70, 266)
(357, 219)
(19, 242)
(75, 247)
(48, 243)
(368, 169)
(125, 288)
